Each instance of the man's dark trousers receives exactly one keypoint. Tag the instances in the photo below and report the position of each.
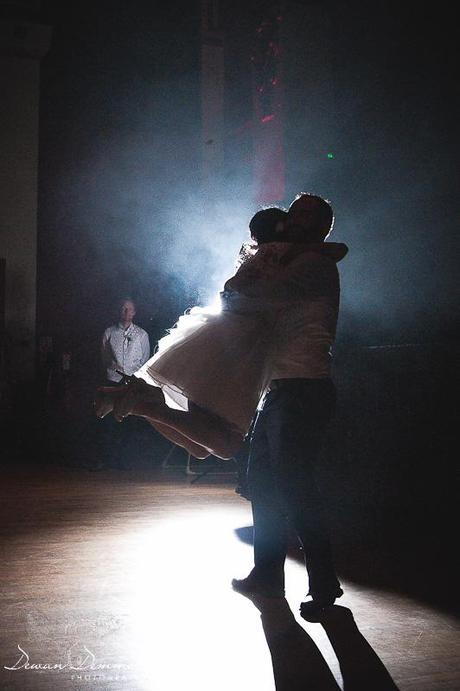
(285, 444)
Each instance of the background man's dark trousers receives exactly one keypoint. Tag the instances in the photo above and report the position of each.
(285, 444)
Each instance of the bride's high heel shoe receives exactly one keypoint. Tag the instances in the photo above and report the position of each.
(136, 391)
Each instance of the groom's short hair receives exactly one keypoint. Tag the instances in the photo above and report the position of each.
(319, 215)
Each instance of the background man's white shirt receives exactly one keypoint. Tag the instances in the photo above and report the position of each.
(125, 350)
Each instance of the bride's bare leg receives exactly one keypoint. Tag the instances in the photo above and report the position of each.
(195, 426)
(200, 427)
(107, 396)
(173, 435)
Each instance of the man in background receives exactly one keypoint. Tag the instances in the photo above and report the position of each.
(125, 348)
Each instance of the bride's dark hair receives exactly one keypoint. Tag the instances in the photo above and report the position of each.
(263, 225)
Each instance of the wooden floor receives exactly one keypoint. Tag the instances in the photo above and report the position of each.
(121, 580)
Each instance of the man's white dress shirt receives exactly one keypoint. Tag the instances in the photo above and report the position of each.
(125, 350)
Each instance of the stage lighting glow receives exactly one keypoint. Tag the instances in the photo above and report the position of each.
(185, 615)
(215, 307)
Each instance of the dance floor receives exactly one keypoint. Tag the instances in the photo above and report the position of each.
(121, 580)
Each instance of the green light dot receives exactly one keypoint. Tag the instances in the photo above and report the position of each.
(330, 155)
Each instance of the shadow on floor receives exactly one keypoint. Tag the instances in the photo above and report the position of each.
(298, 662)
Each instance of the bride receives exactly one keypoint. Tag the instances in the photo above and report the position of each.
(201, 388)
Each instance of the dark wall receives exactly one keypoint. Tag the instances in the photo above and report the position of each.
(119, 131)
(374, 85)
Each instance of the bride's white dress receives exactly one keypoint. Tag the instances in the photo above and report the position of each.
(221, 361)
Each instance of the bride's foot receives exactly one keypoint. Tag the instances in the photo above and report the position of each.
(138, 390)
(105, 398)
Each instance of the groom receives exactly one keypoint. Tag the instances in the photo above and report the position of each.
(290, 427)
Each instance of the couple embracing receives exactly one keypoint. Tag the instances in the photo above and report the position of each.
(264, 359)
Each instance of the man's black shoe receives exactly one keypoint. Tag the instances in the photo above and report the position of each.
(251, 586)
(314, 610)
(243, 490)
